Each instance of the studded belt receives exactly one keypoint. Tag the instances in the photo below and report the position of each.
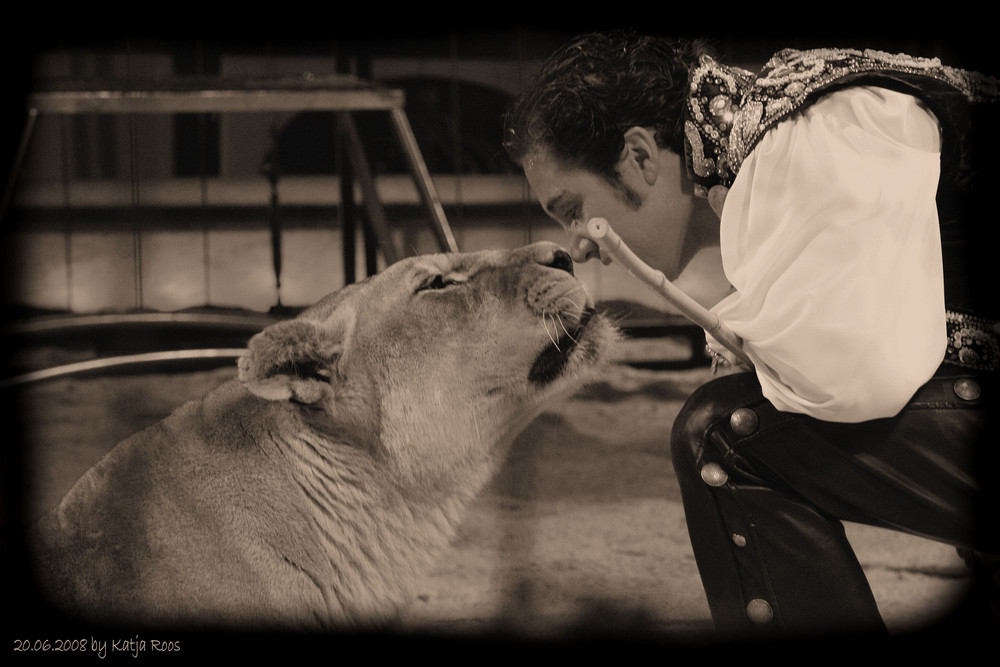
(972, 342)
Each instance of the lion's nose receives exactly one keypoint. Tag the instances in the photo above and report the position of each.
(561, 260)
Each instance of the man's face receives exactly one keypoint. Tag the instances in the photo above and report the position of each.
(636, 209)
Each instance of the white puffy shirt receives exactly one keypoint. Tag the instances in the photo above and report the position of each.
(830, 237)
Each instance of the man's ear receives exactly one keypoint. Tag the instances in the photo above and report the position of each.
(642, 151)
(296, 359)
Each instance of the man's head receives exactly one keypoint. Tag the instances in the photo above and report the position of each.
(598, 133)
(593, 89)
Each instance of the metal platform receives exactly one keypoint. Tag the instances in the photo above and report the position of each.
(341, 94)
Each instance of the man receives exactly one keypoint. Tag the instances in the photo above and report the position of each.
(847, 184)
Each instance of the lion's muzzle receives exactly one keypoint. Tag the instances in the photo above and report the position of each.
(564, 308)
(549, 364)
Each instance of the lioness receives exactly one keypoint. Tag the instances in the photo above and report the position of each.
(311, 489)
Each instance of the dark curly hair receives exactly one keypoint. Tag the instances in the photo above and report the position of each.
(589, 92)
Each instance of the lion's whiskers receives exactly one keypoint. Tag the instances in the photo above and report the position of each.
(545, 325)
(557, 323)
(566, 331)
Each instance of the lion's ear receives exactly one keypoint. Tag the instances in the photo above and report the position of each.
(295, 359)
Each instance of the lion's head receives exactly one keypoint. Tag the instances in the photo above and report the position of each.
(439, 359)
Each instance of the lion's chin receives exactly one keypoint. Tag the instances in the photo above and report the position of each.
(552, 361)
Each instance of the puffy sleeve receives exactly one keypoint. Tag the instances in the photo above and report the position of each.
(830, 237)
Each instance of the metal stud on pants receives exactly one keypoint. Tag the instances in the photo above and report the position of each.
(759, 611)
(743, 421)
(713, 474)
(967, 389)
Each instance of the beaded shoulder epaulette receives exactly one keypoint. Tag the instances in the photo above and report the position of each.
(729, 109)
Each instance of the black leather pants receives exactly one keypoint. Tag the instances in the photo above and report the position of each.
(765, 492)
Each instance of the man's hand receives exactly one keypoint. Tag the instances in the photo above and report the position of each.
(723, 359)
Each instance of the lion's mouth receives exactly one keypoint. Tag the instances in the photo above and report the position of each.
(551, 362)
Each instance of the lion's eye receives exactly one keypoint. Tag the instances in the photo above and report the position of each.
(439, 282)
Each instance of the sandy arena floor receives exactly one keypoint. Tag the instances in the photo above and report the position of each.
(582, 529)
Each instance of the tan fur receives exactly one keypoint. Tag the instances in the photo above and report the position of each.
(311, 490)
